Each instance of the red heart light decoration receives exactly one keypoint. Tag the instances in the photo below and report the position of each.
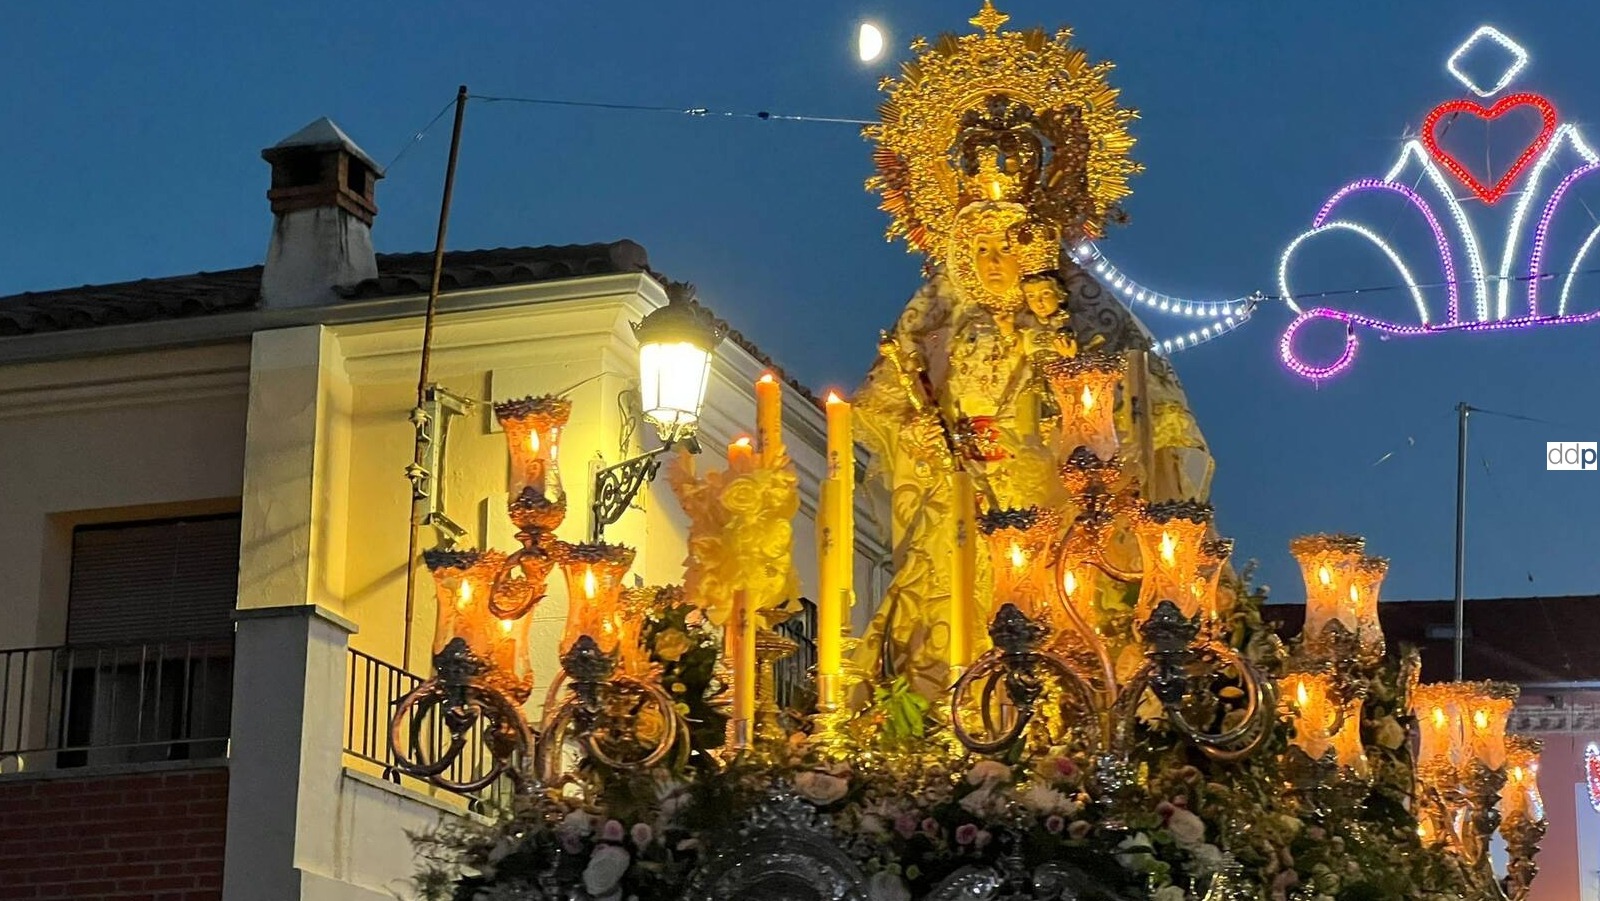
(1504, 105)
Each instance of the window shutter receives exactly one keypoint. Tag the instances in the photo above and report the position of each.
(153, 581)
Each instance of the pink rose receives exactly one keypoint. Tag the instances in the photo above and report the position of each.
(612, 831)
(966, 834)
(641, 834)
(982, 838)
(1065, 768)
(1164, 811)
(930, 827)
(1054, 824)
(906, 825)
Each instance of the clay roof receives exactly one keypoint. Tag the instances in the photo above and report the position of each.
(1527, 640)
(236, 290)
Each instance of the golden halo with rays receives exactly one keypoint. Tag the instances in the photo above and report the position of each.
(1082, 125)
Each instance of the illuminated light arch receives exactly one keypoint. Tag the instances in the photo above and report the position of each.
(1413, 149)
(1221, 316)
(1572, 273)
(1542, 232)
(1410, 282)
(1591, 773)
(1519, 216)
(1519, 60)
(1446, 257)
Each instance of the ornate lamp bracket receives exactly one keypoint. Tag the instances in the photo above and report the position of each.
(616, 486)
(432, 422)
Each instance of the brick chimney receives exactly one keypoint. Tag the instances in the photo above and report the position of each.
(322, 198)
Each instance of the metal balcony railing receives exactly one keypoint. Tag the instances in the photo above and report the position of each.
(91, 705)
(794, 686)
(373, 690)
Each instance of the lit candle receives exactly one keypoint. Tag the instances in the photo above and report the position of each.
(1434, 707)
(963, 570)
(1312, 713)
(741, 455)
(829, 614)
(769, 418)
(1485, 708)
(1520, 801)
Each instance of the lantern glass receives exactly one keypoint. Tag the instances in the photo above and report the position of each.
(673, 376)
(533, 427)
(1438, 725)
(1019, 542)
(1365, 585)
(594, 574)
(1348, 748)
(462, 581)
(1171, 537)
(1520, 801)
(1484, 708)
(1328, 563)
(1085, 390)
(1315, 716)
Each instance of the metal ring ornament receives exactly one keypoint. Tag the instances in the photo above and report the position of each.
(1020, 674)
(464, 707)
(496, 588)
(1241, 740)
(554, 733)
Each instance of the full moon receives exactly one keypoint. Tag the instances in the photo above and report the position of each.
(869, 42)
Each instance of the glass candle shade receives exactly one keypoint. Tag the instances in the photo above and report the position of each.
(1484, 708)
(1438, 724)
(1020, 542)
(462, 581)
(1308, 697)
(533, 427)
(1077, 580)
(1366, 583)
(1214, 554)
(633, 611)
(507, 644)
(1171, 537)
(1085, 389)
(1328, 564)
(594, 574)
(1520, 801)
(1348, 748)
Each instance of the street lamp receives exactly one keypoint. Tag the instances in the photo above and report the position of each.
(675, 351)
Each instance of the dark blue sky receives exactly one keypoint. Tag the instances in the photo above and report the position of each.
(134, 131)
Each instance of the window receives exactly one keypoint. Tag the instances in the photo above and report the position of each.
(147, 672)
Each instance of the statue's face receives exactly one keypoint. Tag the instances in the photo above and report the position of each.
(999, 268)
(1043, 297)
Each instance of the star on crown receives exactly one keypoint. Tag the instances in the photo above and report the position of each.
(989, 18)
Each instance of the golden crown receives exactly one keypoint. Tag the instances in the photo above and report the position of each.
(1009, 116)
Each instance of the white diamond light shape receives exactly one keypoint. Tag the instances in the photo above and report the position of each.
(1519, 60)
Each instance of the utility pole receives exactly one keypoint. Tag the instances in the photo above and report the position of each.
(1461, 535)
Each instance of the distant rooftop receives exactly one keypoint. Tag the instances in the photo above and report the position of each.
(1527, 640)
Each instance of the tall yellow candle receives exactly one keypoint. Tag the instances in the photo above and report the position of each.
(963, 569)
(842, 471)
(769, 418)
(829, 614)
(744, 669)
(741, 455)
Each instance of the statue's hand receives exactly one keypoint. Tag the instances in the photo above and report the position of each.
(1065, 344)
(924, 438)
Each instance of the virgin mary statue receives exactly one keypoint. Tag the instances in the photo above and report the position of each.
(985, 168)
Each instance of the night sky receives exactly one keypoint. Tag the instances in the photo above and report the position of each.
(133, 132)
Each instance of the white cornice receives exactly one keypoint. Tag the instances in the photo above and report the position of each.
(1555, 719)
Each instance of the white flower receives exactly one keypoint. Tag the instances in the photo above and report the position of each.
(1187, 829)
(1168, 893)
(577, 823)
(605, 869)
(979, 802)
(872, 824)
(988, 772)
(886, 886)
(1208, 858)
(820, 788)
(1042, 799)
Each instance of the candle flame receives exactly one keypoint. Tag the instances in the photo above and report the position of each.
(1070, 583)
(1169, 549)
(1439, 717)
(1480, 718)
(742, 441)
(590, 586)
(1516, 774)
(767, 377)
(1323, 576)
(505, 626)
(1355, 595)
(1087, 398)
(1300, 694)
(834, 398)
(464, 595)
(1018, 559)
(533, 442)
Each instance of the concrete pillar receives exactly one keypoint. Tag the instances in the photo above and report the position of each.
(287, 752)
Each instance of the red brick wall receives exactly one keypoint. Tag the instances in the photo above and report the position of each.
(150, 836)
